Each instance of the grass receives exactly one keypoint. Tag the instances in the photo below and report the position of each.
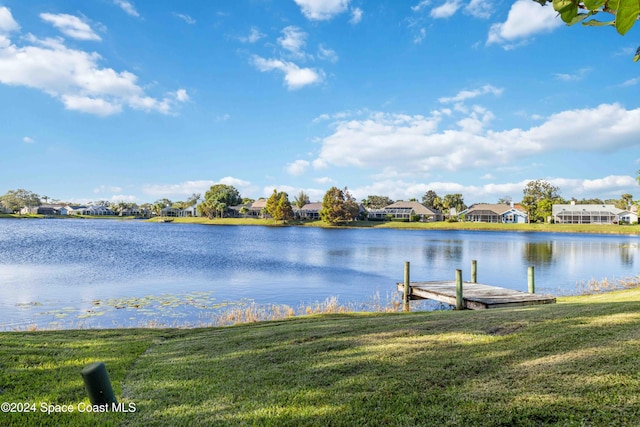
(574, 363)
(442, 225)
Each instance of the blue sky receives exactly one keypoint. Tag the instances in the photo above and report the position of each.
(132, 100)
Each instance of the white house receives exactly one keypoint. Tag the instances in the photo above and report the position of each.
(497, 213)
(406, 210)
(591, 214)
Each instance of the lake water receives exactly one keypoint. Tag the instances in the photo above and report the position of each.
(105, 273)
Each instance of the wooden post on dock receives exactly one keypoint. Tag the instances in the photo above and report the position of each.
(474, 271)
(531, 280)
(407, 288)
(459, 302)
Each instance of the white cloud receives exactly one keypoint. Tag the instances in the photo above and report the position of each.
(327, 54)
(71, 26)
(123, 198)
(423, 4)
(236, 182)
(7, 23)
(325, 180)
(414, 145)
(446, 10)
(186, 18)
(356, 15)
(127, 6)
(254, 36)
(469, 94)
(422, 33)
(322, 10)
(294, 76)
(631, 82)
(188, 188)
(107, 189)
(298, 167)
(293, 40)
(525, 19)
(28, 140)
(223, 117)
(577, 76)
(181, 95)
(479, 8)
(76, 78)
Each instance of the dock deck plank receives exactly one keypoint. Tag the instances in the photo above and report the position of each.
(476, 296)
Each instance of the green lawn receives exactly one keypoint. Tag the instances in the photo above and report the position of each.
(575, 363)
(558, 228)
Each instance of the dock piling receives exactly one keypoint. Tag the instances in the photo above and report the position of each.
(474, 271)
(459, 300)
(407, 287)
(531, 280)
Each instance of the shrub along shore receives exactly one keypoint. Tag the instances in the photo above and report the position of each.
(573, 363)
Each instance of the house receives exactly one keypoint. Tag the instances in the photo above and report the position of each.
(309, 211)
(171, 212)
(496, 213)
(190, 211)
(591, 214)
(75, 209)
(98, 210)
(406, 211)
(42, 210)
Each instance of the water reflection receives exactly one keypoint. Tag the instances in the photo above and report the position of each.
(538, 253)
(69, 264)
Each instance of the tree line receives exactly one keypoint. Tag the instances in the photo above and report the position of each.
(338, 205)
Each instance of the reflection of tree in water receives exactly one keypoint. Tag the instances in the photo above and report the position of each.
(538, 253)
(627, 251)
(441, 252)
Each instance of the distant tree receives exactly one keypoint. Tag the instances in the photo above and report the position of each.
(506, 200)
(247, 200)
(377, 202)
(160, 204)
(14, 200)
(455, 201)
(627, 200)
(431, 200)
(338, 206)
(217, 199)
(301, 199)
(279, 207)
(584, 201)
(539, 196)
(193, 199)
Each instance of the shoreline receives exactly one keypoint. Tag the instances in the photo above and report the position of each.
(604, 229)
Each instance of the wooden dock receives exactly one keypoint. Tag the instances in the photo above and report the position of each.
(475, 296)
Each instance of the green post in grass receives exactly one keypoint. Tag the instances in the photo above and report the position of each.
(96, 381)
(532, 281)
(459, 304)
(474, 271)
(407, 288)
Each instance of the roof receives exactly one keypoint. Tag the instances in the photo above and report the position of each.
(314, 207)
(259, 204)
(418, 208)
(497, 208)
(557, 209)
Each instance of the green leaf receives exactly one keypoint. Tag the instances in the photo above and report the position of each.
(596, 23)
(568, 9)
(626, 15)
(580, 17)
(594, 4)
(635, 59)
